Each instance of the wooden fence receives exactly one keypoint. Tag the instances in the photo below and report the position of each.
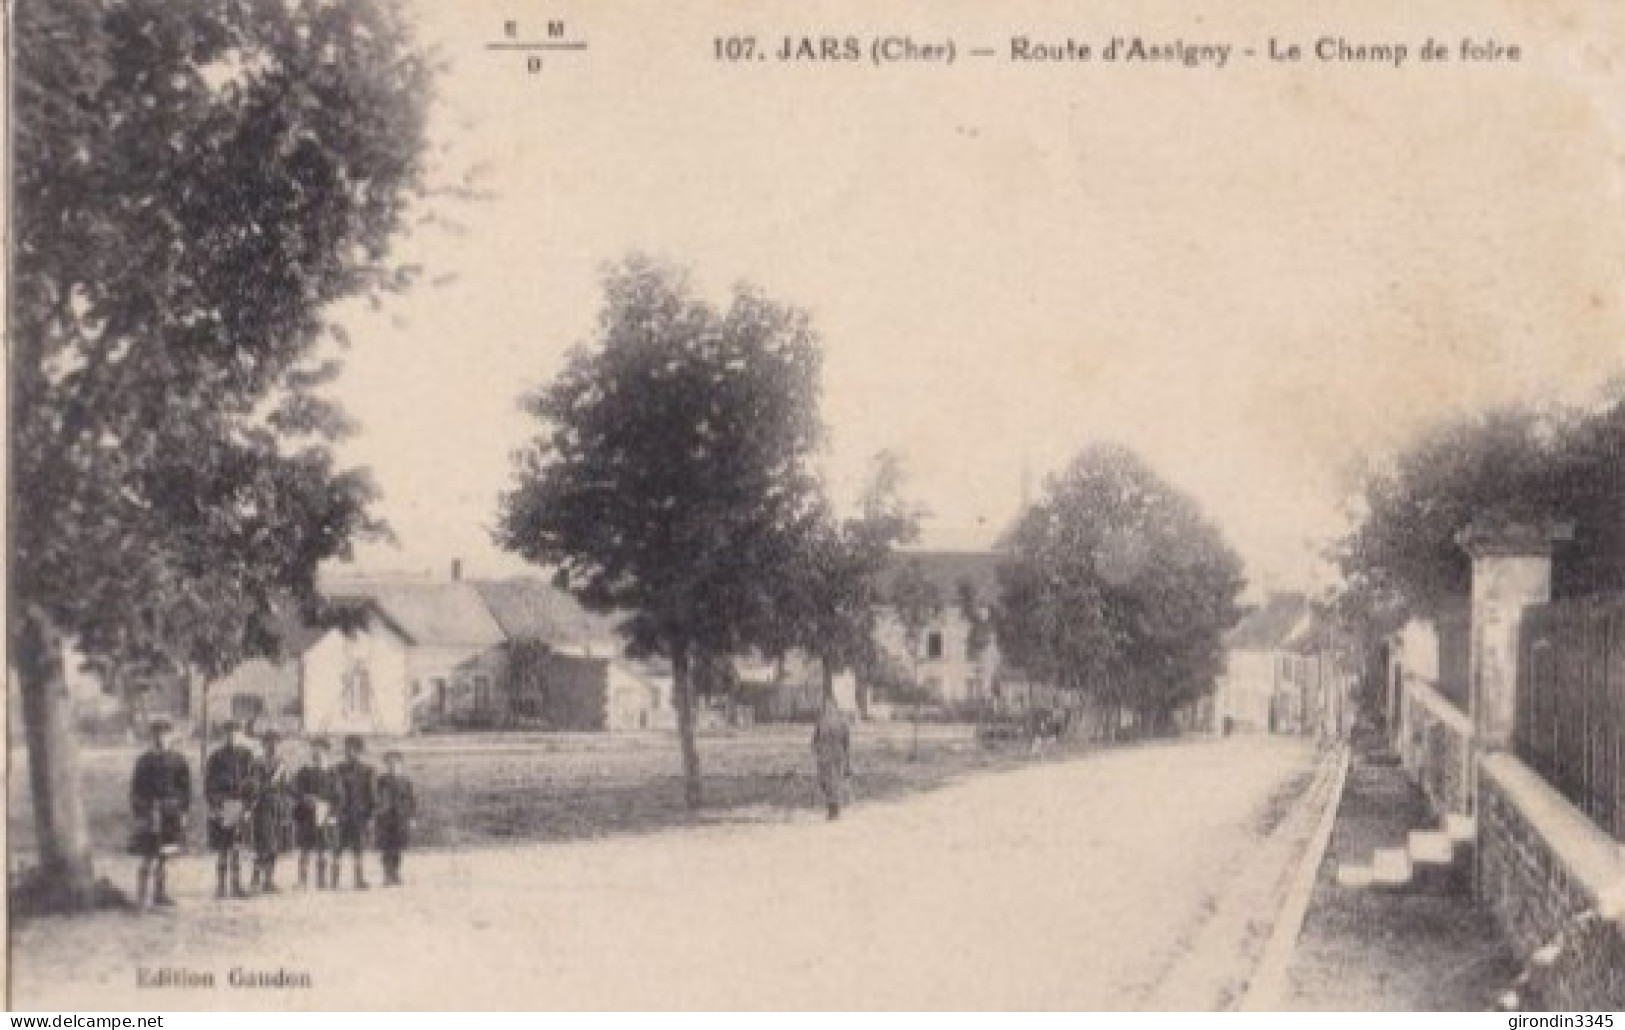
(1571, 703)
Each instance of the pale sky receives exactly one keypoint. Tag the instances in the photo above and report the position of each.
(1250, 275)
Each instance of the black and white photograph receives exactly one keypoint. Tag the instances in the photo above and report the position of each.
(531, 505)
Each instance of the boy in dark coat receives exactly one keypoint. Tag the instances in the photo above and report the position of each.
(316, 797)
(227, 780)
(270, 811)
(397, 815)
(160, 794)
(358, 797)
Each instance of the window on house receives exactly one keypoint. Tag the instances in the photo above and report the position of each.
(355, 691)
(484, 700)
(933, 646)
(245, 707)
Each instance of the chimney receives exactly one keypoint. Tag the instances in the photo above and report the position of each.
(456, 569)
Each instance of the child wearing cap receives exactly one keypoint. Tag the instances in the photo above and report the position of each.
(397, 815)
(316, 795)
(357, 800)
(160, 794)
(270, 806)
(227, 780)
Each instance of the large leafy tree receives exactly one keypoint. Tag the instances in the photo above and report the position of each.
(1117, 587)
(1524, 464)
(672, 476)
(195, 183)
(828, 597)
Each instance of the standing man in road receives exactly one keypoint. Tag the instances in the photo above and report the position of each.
(160, 794)
(832, 749)
(227, 781)
(358, 797)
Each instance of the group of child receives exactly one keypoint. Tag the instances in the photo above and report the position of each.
(257, 806)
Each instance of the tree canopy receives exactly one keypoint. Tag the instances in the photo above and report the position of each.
(194, 185)
(828, 597)
(1117, 587)
(1516, 463)
(672, 477)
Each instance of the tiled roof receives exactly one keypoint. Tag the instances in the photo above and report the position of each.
(430, 613)
(947, 569)
(1273, 626)
(527, 608)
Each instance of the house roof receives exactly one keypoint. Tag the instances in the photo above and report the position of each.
(1275, 625)
(527, 608)
(430, 614)
(947, 569)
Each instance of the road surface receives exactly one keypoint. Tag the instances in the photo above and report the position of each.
(1144, 877)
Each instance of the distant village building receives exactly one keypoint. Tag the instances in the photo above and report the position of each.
(949, 668)
(792, 689)
(566, 666)
(1282, 671)
(426, 654)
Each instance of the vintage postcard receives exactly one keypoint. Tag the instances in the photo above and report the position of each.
(543, 505)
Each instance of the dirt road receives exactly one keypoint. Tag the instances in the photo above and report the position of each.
(1137, 878)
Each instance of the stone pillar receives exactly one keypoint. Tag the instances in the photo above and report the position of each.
(1512, 569)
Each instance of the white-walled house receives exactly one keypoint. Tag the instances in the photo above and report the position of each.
(425, 653)
(1281, 673)
(637, 697)
(944, 661)
(1247, 695)
(355, 681)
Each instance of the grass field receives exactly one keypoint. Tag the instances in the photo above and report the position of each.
(491, 792)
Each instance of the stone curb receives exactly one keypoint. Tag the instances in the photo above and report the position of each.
(1267, 989)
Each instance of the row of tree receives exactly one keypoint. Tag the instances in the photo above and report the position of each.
(673, 480)
(197, 184)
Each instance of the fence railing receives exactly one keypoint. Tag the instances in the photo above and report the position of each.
(1435, 744)
(1571, 703)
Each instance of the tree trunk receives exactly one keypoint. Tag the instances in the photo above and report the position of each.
(862, 698)
(683, 687)
(829, 677)
(914, 736)
(202, 718)
(67, 874)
